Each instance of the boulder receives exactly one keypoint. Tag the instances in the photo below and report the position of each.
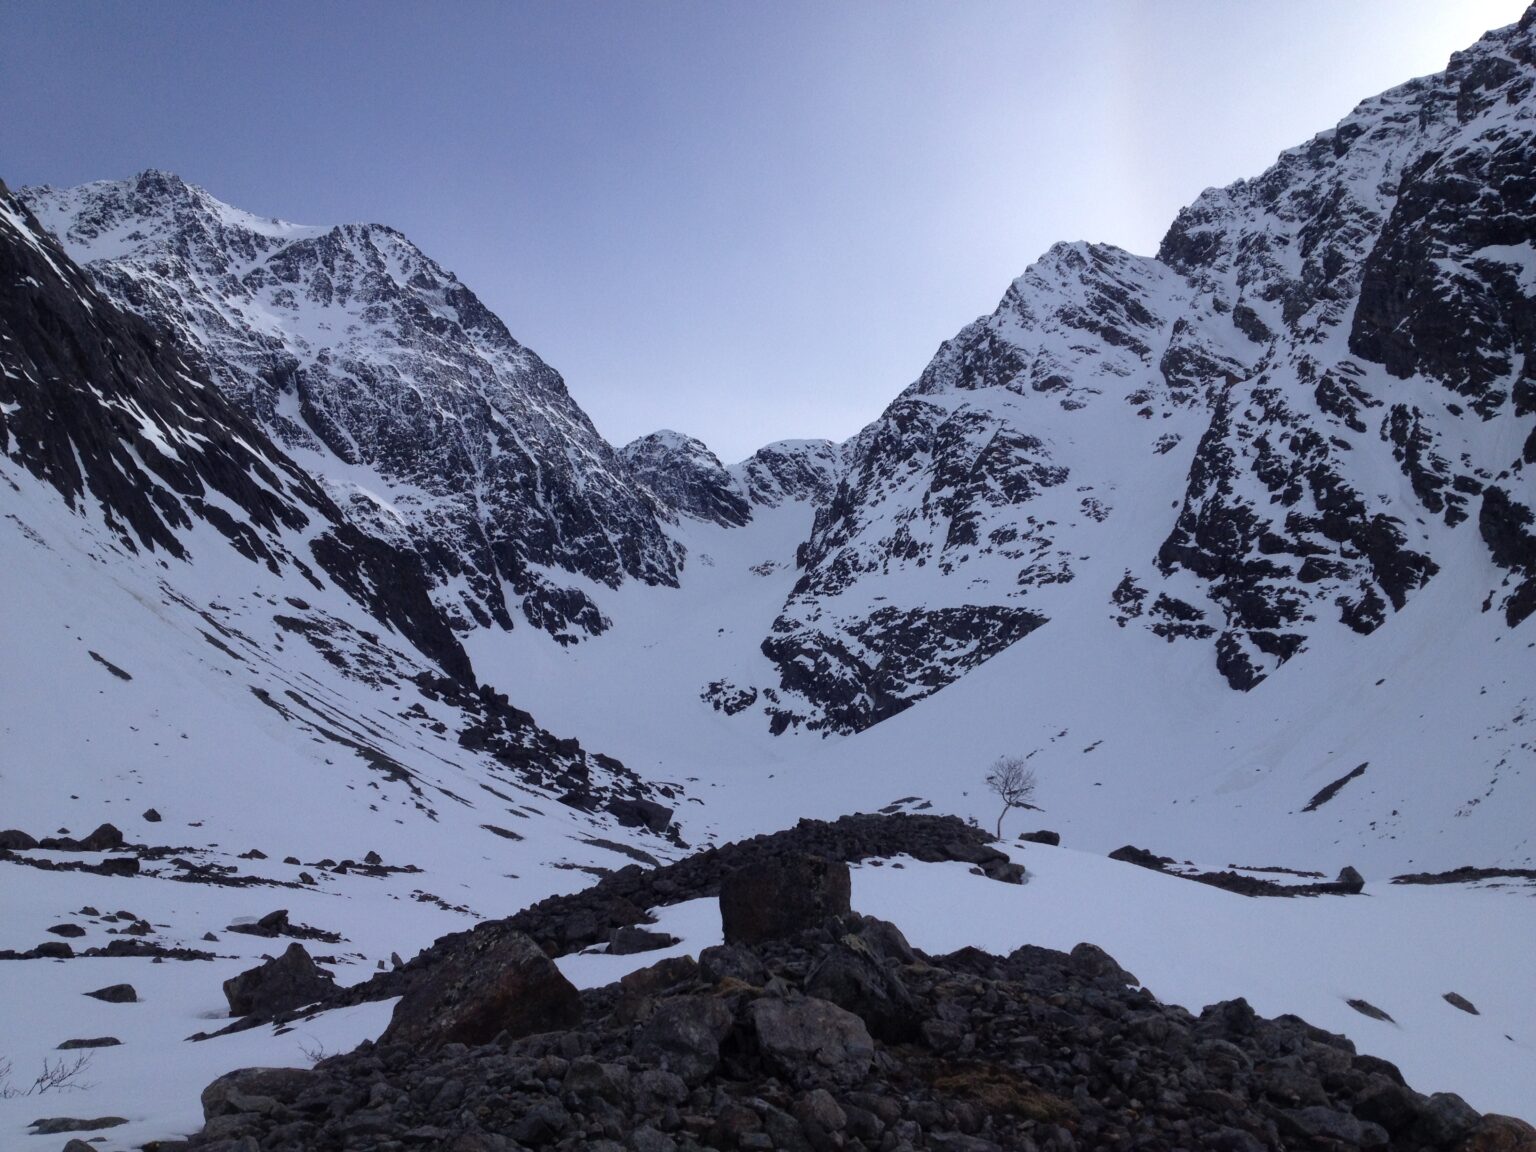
(857, 974)
(14, 839)
(103, 839)
(151, 816)
(256, 1090)
(731, 962)
(1445, 1119)
(1044, 836)
(631, 940)
(1496, 1133)
(782, 898)
(498, 983)
(1094, 961)
(116, 994)
(1457, 1000)
(1350, 882)
(806, 1040)
(640, 814)
(1130, 854)
(684, 1035)
(55, 1124)
(290, 981)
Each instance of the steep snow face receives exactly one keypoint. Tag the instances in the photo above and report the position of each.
(390, 381)
(1278, 429)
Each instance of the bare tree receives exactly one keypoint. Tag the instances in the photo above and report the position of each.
(1012, 780)
(55, 1076)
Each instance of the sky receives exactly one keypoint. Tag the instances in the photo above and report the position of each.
(742, 221)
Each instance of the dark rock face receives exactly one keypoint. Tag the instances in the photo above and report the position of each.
(806, 471)
(350, 342)
(290, 981)
(758, 904)
(759, 1047)
(494, 986)
(686, 478)
(633, 813)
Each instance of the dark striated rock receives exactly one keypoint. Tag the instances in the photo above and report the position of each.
(1456, 1000)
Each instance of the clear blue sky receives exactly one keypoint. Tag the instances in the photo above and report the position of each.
(745, 221)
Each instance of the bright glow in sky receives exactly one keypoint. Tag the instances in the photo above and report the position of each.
(743, 221)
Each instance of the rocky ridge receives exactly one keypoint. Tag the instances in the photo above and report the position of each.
(830, 1032)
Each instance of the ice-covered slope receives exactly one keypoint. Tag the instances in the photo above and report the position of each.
(387, 379)
(1316, 394)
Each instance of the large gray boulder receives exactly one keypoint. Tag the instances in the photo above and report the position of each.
(806, 1040)
(684, 1036)
(291, 981)
(497, 984)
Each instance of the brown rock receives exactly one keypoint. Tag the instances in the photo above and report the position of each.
(496, 984)
(782, 898)
(1496, 1133)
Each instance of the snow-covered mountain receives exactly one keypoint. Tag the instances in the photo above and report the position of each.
(1317, 391)
(389, 381)
(1234, 544)
(161, 548)
(687, 479)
